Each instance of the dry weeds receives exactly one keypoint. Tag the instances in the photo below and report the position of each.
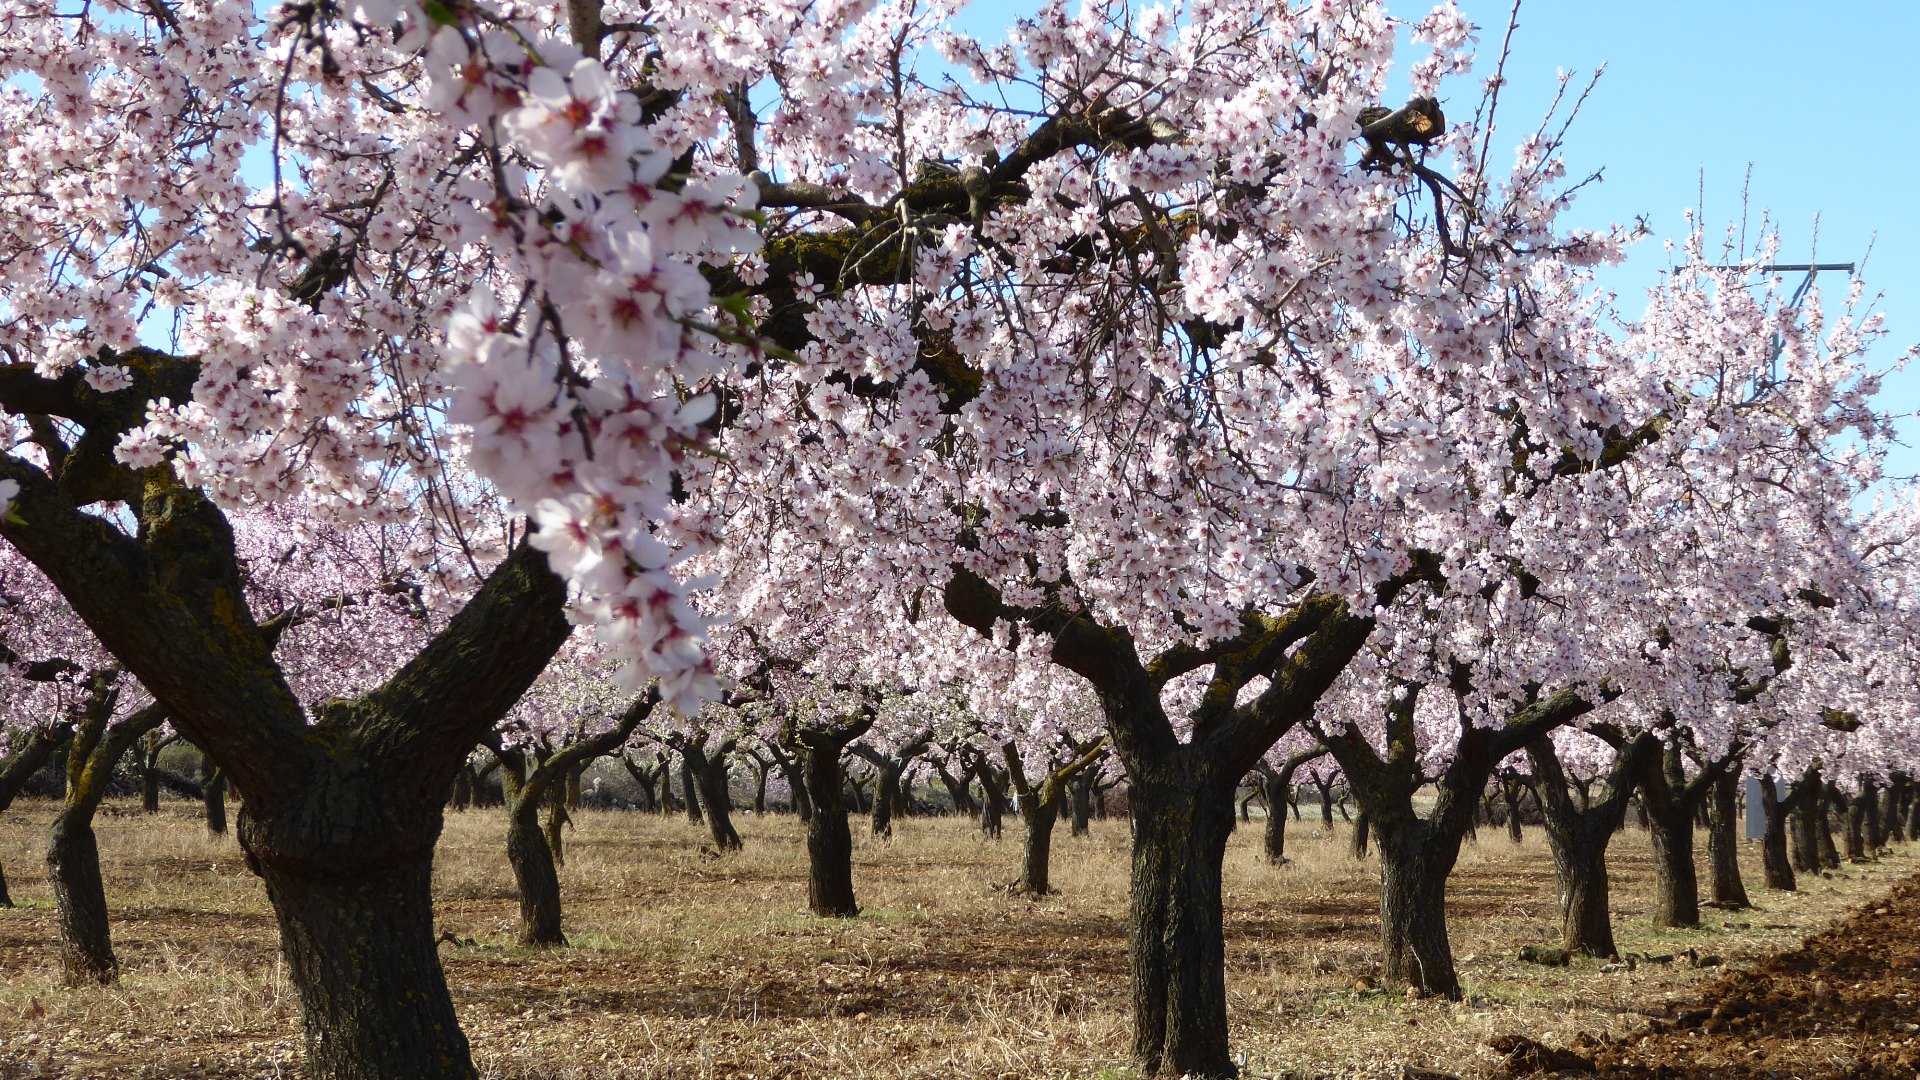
(690, 966)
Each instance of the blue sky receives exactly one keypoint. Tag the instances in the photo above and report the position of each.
(1815, 98)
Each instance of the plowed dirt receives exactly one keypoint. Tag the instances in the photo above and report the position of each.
(1845, 1004)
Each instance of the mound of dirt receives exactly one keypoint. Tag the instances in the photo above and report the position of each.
(1845, 1004)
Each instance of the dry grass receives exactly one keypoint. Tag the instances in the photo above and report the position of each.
(689, 966)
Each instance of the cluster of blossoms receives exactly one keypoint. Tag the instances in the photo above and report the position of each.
(471, 290)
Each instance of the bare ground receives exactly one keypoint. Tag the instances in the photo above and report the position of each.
(685, 965)
(1845, 1005)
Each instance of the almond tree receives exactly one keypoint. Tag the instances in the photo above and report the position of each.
(470, 284)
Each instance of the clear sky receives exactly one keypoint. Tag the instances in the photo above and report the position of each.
(1814, 97)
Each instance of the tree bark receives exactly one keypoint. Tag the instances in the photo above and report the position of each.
(80, 898)
(1807, 797)
(690, 788)
(1676, 885)
(360, 949)
(712, 772)
(1773, 843)
(150, 774)
(1415, 860)
(1823, 829)
(557, 821)
(993, 802)
(1082, 797)
(818, 750)
(1723, 843)
(829, 839)
(1578, 832)
(1182, 817)
(216, 785)
(1860, 808)
(534, 872)
(1274, 784)
(1362, 827)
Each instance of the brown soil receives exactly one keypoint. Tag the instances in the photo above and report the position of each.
(1845, 1004)
(686, 967)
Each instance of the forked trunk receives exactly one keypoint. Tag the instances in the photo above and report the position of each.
(1723, 842)
(1182, 817)
(534, 874)
(829, 839)
(1773, 841)
(80, 899)
(1415, 859)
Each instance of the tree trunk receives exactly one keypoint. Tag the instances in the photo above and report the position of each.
(1415, 859)
(829, 839)
(713, 791)
(150, 775)
(216, 786)
(1807, 797)
(1823, 830)
(534, 873)
(993, 803)
(80, 898)
(1773, 843)
(360, 950)
(1039, 814)
(462, 788)
(1082, 813)
(557, 821)
(1182, 816)
(6, 901)
(1857, 828)
(1362, 826)
(1578, 832)
(885, 796)
(1876, 829)
(1676, 886)
(1326, 803)
(1274, 786)
(1586, 920)
(1723, 842)
(689, 786)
